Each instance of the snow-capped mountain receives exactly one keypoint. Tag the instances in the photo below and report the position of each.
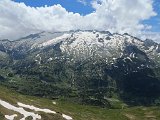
(85, 44)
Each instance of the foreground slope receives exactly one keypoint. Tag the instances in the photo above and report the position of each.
(78, 112)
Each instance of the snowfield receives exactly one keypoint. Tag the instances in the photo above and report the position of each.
(25, 113)
(35, 108)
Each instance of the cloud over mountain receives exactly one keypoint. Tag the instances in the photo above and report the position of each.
(121, 16)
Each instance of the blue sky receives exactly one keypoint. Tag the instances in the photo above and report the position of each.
(69, 5)
(155, 21)
(77, 7)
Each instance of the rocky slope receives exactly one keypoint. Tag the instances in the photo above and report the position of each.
(85, 44)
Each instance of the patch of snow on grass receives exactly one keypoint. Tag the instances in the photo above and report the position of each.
(19, 110)
(54, 103)
(31, 107)
(67, 117)
(10, 117)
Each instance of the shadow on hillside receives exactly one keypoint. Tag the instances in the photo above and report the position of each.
(141, 88)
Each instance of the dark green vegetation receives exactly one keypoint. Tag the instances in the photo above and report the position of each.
(91, 81)
(78, 112)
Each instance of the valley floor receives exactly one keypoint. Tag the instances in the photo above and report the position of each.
(15, 106)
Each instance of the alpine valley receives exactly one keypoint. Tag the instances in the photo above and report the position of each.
(99, 69)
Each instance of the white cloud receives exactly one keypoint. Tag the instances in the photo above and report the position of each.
(127, 14)
(84, 2)
(17, 19)
(151, 35)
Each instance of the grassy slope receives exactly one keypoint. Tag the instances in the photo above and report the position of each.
(1, 116)
(78, 112)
